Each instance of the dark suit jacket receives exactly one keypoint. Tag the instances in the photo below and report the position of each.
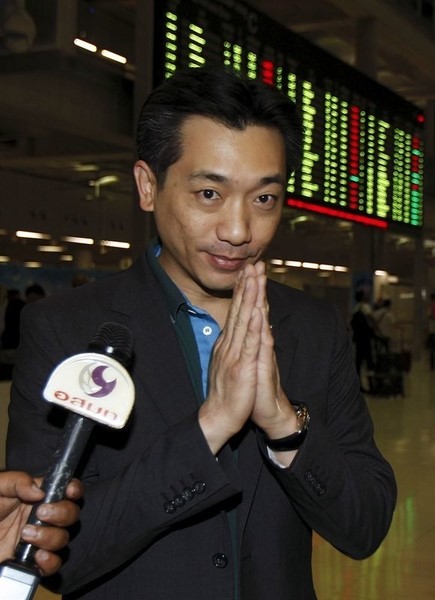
(129, 545)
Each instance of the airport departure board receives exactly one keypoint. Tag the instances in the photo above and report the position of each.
(363, 144)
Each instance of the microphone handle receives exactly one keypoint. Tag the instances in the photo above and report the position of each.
(75, 437)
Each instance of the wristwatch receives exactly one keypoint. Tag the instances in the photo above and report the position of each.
(294, 440)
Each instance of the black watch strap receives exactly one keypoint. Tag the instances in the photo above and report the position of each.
(294, 440)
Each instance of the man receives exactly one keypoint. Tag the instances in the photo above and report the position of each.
(385, 323)
(431, 331)
(228, 462)
(362, 325)
(18, 492)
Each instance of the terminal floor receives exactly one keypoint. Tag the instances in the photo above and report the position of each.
(404, 566)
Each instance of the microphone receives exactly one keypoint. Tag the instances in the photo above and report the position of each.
(96, 387)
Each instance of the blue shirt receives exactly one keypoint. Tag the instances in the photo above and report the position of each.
(206, 331)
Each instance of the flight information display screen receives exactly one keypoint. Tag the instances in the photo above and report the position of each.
(363, 145)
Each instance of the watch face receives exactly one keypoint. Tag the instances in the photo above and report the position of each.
(302, 416)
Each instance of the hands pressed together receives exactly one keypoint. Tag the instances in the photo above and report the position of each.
(18, 492)
(244, 377)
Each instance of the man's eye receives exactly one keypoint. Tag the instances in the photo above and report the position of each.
(266, 199)
(209, 194)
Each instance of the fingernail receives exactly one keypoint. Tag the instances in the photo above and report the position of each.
(44, 511)
(43, 555)
(29, 532)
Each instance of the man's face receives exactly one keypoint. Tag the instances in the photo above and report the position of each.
(220, 205)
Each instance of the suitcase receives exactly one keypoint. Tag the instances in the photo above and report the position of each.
(387, 379)
(387, 384)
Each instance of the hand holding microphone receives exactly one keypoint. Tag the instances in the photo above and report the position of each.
(96, 388)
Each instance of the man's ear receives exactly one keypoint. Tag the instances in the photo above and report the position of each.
(146, 185)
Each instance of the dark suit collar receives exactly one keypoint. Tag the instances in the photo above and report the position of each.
(282, 320)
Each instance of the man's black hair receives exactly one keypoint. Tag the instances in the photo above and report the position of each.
(222, 95)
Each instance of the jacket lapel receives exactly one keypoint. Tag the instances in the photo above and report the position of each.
(158, 365)
(286, 342)
(251, 461)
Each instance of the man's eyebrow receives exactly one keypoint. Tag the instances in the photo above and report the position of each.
(218, 178)
(278, 178)
(210, 175)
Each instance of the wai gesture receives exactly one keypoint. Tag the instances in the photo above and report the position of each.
(244, 378)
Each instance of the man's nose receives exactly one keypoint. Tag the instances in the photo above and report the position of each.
(234, 224)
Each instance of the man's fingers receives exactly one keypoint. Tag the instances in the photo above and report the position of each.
(74, 491)
(235, 334)
(17, 484)
(236, 301)
(47, 562)
(48, 538)
(62, 513)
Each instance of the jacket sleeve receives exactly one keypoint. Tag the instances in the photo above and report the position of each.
(124, 513)
(339, 482)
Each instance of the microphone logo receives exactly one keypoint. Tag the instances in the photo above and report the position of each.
(93, 383)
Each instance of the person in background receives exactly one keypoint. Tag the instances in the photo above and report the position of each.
(431, 332)
(18, 492)
(385, 323)
(34, 292)
(249, 431)
(10, 336)
(363, 332)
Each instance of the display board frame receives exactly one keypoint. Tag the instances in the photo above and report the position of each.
(363, 154)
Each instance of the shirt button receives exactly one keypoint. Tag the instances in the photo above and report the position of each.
(220, 560)
(207, 330)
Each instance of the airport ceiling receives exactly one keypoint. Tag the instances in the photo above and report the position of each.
(407, 69)
(405, 66)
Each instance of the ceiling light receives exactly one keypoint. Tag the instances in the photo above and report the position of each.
(293, 263)
(326, 267)
(78, 240)
(4, 259)
(113, 56)
(310, 265)
(66, 257)
(85, 45)
(51, 248)
(276, 261)
(380, 273)
(296, 220)
(84, 168)
(115, 244)
(32, 235)
(105, 180)
(402, 240)
(33, 264)
(341, 269)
